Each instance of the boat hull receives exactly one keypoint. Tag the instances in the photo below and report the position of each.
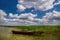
(26, 32)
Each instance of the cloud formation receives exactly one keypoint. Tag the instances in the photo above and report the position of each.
(2, 18)
(51, 18)
(57, 2)
(28, 16)
(15, 19)
(37, 4)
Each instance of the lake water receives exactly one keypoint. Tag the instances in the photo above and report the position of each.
(6, 34)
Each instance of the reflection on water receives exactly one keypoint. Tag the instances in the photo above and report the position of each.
(5, 34)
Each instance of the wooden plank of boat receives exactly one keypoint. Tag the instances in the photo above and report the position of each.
(26, 32)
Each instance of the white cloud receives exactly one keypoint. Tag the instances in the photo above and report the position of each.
(20, 7)
(28, 16)
(57, 2)
(2, 18)
(15, 19)
(37, 4)
(2, 13)
(57, 14)
(11, 15)
(51, 18)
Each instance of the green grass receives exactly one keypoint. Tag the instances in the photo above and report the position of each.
(6, 35)
(37, 28)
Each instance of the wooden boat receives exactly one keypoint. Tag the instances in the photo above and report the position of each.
(26, 32)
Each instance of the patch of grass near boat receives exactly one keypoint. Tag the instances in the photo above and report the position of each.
(37, 28)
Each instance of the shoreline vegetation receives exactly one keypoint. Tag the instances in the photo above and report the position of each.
(36, 28)
(50, 33)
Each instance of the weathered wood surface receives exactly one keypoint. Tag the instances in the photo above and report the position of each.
(27, 32)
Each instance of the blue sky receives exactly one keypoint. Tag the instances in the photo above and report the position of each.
(19, 8)
(8, 5)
